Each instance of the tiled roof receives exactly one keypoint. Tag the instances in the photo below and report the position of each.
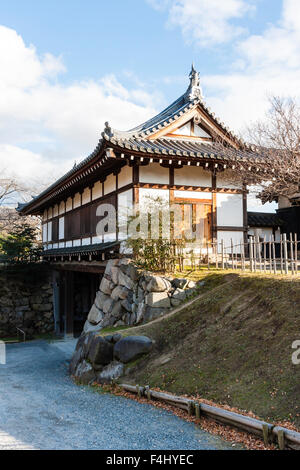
(86, 249)
(182, 148)
(263, 219)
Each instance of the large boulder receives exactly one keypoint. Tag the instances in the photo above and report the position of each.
(108, 305)
(158, 284)
(89, 327)
(100, 351)
(115, 274)
(120, 292)
(76, 359)
(180, 283)
(126, 281)
(95, 315)
(158, 300)
(111, 372)
(131, 347)
(105, 285)
(100, 299)
(109, 266)
(84, 373)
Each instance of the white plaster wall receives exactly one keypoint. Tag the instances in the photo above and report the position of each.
(192, 195)
(61, 228)
(97, 190)
(125, 176)
(49, 231)
(86, 241)
(110, 184)
(125, 202)
(50, 213)
(45, 232)
(192, 176)
(68, 244)
(77, 200)
(86, 196)
(236, 237)
(61, 245)
(154, 173)
(61, 209)
(229, 210)
(76, 242)
(69, 204)
(55, 211)
(226, 179)
(149, 196)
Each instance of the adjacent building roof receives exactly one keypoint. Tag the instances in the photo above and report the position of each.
(263, 219)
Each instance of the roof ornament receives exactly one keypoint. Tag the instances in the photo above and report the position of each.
(194, 90)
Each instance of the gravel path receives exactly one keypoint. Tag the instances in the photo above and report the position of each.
(41, 408)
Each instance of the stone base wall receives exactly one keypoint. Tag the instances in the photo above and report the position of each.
(26, 300)
(129, 296)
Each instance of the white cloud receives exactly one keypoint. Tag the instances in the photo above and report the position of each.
(64, 122)
(266, 65)
(205, 22)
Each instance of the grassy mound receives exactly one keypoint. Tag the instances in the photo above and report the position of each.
(232, 346)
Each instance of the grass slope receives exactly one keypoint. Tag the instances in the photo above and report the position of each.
(232, 346)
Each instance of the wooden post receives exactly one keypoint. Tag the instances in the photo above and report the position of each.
(270, 253)
(69, 302)
(251, 253)
(208, 266)
(281, 439)
(259, 252)
(265, 430)
(292, 253)
(198, 410)
(274, 254)
(285, 254)
(281, 255)
(265, 254)
(190, 407)
(148, 392)
(296, 254)
(223, 253)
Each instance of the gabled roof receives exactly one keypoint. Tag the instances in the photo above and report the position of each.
(190, 100)
(152, 138)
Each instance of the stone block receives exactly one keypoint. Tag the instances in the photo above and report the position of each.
(131, 347)
(125, 281)
(158, 300)
(95, 315)
(158, 284)
(101, 351)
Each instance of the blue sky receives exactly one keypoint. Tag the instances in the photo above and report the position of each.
(68, 66)
(126, 38)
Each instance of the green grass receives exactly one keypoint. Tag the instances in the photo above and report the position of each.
(232, 346)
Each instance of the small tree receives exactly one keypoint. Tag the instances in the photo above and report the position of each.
(20, 245)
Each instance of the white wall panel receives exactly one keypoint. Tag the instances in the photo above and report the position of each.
(77, 201)
(86, 196)
(236, 237)
(61, 228)
(49, 231)
(69, 204)
(154, 173)
(124, 212)
(61, 209)
(125, 176)
(97, 191)
(229, 210)
(226, 179)
(192, 195)
(192, 176)
(110, 184)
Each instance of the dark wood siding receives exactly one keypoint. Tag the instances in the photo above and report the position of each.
(55, 230)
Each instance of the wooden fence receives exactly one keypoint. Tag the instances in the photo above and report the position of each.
(256, 255)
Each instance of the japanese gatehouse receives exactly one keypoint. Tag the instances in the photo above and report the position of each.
(184, 154)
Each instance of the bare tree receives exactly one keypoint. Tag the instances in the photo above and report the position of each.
(276, 142)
